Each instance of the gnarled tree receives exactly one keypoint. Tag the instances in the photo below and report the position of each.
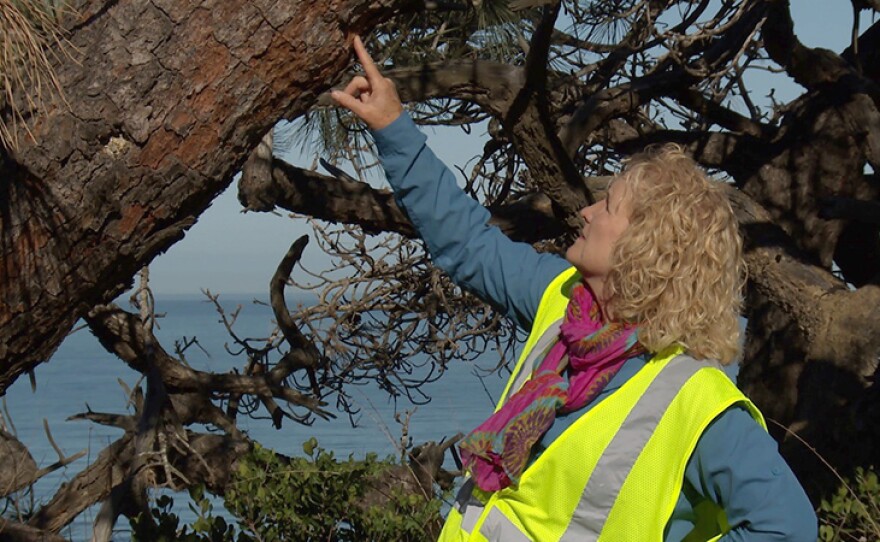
(165, 100)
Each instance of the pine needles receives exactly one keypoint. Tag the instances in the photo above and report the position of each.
(30, 39)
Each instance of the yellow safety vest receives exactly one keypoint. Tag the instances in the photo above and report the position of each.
(616, 473)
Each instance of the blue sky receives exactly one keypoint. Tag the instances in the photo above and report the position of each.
(230, 252)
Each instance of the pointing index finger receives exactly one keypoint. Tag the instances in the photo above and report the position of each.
(366, 61)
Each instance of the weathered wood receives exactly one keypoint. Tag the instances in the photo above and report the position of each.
(212, 461)
(18, 468)
(90, 486)
(122, 334)
(12, 531)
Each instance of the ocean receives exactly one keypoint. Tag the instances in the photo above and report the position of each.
(82, 375)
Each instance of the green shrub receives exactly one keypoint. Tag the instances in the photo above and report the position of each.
(165, 525)
(853, 512)
(313, 498)
(322, 498)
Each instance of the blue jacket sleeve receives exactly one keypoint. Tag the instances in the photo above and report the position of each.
(737, 465)
(479, 257)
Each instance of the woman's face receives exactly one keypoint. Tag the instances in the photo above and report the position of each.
(605, 221)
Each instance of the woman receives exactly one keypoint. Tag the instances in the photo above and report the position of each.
(611, 428)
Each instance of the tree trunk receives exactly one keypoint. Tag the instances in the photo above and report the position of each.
(162, 107)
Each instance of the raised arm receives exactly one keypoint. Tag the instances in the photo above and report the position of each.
(512, 276)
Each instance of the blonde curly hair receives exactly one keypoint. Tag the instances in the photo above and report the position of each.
(678, 268)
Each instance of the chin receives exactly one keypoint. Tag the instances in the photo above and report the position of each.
(574, 253)
(569, 255)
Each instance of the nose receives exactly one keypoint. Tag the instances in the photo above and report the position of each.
(587, 212)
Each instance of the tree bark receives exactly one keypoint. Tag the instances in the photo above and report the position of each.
(12, 531)
(162, 107)
(346, 201)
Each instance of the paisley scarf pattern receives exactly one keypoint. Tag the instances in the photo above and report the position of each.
(576, 368)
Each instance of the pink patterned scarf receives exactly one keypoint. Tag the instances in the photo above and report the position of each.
(496, 453)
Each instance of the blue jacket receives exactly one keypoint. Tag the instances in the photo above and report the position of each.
(736, 463)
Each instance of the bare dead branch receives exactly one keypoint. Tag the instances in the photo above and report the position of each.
(86, 488)
(122, 421)
(210, 460)
(155, 412)
(52, 440)
(722, 116)
(121, 333)
(302, 354)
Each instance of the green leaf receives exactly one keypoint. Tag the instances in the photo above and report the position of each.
(309, 446)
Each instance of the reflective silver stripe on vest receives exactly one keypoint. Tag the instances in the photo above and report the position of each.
(497, 528)
(621, 453)
(537, 353)
(470, 508)
(470, 517)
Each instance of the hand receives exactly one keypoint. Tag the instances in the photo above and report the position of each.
(372, 98)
